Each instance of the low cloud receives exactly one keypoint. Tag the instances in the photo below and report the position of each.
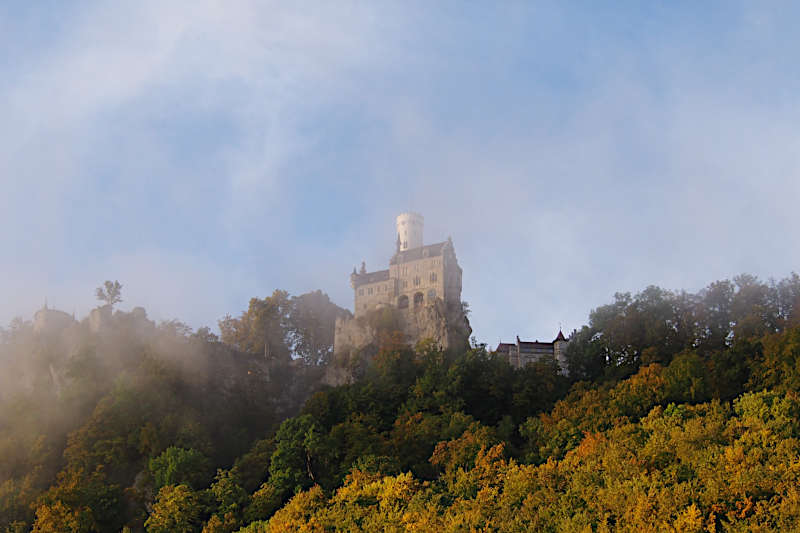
(206, 153)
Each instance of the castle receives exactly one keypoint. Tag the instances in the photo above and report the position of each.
(522, 353)
(421, 288)
(418, 275)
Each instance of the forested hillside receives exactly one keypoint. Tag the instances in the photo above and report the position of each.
(680, 414)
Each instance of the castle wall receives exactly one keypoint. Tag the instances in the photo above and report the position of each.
(452, 280)
(425, 276)
(371, 295)
(560, 352)
(437, 277)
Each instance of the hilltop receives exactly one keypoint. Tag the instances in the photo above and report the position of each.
(679, 413)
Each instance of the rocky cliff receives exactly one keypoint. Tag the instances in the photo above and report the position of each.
(356, 340)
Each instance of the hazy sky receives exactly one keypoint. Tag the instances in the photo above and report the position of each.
(205, 152)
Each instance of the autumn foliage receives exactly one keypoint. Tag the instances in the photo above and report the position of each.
(682, 414)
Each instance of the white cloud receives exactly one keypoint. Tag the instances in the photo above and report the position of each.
(562, 174)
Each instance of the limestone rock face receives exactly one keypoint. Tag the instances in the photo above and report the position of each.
(449, 328)
(49, 321)
(356, 339)
(99, 318)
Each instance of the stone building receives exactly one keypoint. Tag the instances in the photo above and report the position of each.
(422, 283)
(522, 353)
(418, 275)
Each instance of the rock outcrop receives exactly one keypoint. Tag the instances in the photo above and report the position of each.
(357, 339)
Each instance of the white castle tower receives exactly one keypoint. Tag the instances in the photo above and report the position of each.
(409, 231)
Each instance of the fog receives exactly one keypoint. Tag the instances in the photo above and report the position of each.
(206, 153)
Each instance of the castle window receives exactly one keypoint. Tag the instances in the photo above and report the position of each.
(361, 292)
(418, 298)
(369, 291)
(431, 295)
(402, 302)
(405, 283)
(433, 276)
(416, 281)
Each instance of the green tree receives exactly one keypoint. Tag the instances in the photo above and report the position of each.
(293, 463)
(180, 466)
(262, 329)
(685, 379)
(311, 321)
(230, 497)
(110, 292)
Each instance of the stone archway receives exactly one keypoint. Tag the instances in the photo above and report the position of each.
(402, 302)
(418, 299)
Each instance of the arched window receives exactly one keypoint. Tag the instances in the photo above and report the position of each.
(402, 302)
(418, 299)
(431, 295)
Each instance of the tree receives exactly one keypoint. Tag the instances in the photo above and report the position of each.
(59, 517)
(177, 509)
(262, 329)
(110, 292)
(178, 465)
(231, 500)
(311, 322)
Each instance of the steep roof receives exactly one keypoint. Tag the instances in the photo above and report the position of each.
(430, 250)
(537, 344)
(370, 277)
(560, 336)
(504, 347)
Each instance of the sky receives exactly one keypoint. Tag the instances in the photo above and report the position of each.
(206, 152)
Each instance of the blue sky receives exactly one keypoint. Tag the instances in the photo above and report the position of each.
(205, 152)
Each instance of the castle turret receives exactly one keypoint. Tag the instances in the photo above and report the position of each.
(409, 230)
(560, 351)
